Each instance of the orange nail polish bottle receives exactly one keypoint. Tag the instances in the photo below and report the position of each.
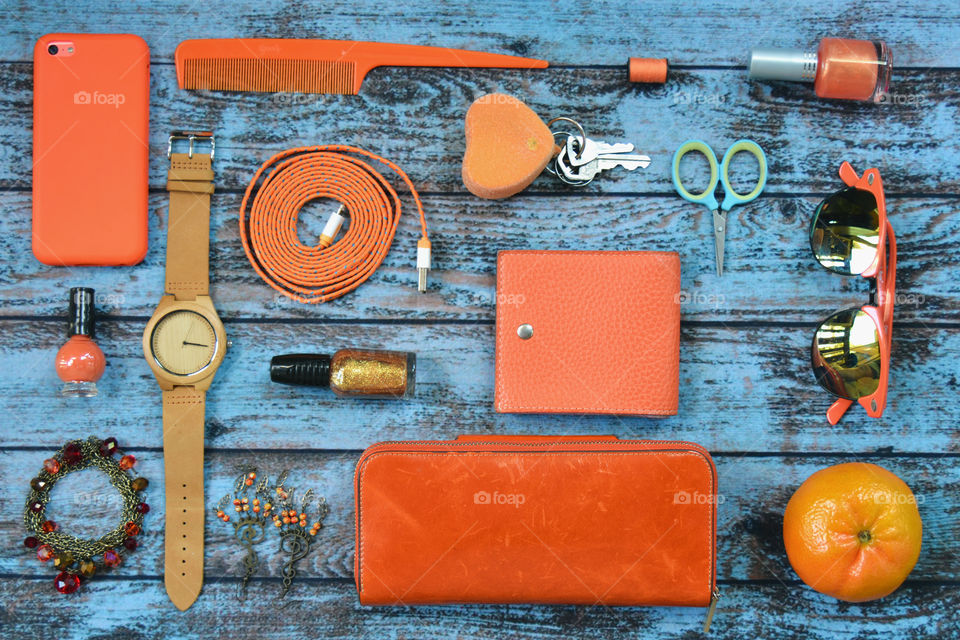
(841, 68)
(80, 362)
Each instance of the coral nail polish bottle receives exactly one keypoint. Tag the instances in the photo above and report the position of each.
(80, 362)
(840, 68)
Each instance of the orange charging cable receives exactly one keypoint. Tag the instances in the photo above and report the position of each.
(292, 178)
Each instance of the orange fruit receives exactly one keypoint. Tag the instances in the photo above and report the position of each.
(852, 531)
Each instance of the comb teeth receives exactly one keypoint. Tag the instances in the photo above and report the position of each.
(257, 74)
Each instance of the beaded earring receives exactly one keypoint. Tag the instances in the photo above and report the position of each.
(254, 508)
(291, 524)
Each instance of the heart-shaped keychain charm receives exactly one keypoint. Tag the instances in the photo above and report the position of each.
(508, 146)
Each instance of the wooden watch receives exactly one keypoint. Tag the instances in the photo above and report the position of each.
(184, 343)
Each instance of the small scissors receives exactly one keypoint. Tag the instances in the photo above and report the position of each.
(731, 197)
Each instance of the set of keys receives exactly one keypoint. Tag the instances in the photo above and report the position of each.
(581, 159)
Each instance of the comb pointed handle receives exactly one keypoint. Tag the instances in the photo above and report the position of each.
(370, 55)
(363, 55)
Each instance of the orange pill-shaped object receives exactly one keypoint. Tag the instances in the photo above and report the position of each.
(650, 70)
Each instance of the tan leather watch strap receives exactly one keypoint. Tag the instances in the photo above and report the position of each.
(190, 183)
(183, 426)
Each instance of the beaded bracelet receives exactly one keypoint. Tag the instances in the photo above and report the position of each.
(76, 557)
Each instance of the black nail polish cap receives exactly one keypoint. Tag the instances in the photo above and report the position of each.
(301, 368)
(82, 316)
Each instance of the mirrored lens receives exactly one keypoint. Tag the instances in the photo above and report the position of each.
(845, 232)
(846, 354)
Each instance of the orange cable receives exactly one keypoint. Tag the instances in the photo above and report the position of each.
(290, 179)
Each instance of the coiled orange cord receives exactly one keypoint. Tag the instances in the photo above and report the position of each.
(290, 179)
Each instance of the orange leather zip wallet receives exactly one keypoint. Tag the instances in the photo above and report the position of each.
(588, 332)
(588, 520)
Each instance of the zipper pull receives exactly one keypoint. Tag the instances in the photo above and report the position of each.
(711, 610)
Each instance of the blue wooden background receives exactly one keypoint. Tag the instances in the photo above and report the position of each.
(746, 390)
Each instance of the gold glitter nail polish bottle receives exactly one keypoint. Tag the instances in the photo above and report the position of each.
(365, 373)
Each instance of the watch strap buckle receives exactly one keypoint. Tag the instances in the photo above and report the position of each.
(191, 137)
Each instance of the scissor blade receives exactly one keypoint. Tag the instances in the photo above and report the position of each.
(719, 235)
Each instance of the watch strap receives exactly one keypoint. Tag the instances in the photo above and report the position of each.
(183, 428)
(189, 183)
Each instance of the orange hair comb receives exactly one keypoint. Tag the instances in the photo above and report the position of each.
(313, 66)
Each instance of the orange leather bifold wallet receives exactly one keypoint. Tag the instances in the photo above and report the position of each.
(588, 332)
(587, 520)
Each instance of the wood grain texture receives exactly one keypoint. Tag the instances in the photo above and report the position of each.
(605, 32)
(415, 117)
(741, 389)
(767, 251)
(747, 393)
(138, 609)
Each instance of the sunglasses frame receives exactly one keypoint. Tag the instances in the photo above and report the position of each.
(883, 270)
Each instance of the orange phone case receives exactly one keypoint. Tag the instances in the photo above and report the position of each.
(90, 149)
(590, 520)
(605, 331)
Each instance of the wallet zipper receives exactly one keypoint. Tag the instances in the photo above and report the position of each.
(455, 443)
(713, 608)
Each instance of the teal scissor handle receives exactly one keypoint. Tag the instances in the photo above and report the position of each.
(731, 197)
(707, 197)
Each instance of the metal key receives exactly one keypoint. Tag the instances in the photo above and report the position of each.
(628, 161)
(592, 149)
(581, 175)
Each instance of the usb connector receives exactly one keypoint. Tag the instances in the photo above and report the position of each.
(423, 263)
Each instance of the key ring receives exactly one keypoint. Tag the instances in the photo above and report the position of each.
(554, 169)
(551, 167)
(563, 161)
(583, 135)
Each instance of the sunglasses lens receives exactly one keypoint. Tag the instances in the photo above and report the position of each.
(846, 354)
(845, 233)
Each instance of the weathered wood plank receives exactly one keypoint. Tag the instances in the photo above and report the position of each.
(140, 610)
(415, 118)
(746, 386)
(741, 389)
(770, 273)
(753, 491)
(922, 34)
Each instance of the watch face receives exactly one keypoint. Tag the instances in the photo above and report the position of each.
(183, 342)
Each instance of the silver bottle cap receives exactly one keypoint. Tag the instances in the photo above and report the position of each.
(767, 63)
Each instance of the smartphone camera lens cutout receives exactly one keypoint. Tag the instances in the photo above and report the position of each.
(53, 49)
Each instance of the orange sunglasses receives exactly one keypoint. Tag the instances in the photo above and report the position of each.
(850, 235)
